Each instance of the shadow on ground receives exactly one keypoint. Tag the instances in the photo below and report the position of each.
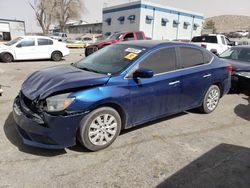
(243, 110)
(13, 136)
(225, 166)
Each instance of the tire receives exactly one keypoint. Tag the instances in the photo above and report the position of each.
(94, 133)
(211, 99)
(56, 56)
(7, 58)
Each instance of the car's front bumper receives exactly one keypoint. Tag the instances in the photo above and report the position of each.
(45, 131)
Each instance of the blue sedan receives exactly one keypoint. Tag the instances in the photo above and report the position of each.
(116, 88)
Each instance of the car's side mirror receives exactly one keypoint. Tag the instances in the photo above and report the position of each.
(19, 45)
(214, 51)
(143, 73)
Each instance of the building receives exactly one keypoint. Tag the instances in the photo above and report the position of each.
(11, 29)
(81, 27)
(157, 21)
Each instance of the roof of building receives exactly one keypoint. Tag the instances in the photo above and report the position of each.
(9, 20)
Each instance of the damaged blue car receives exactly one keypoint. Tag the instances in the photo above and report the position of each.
(116, 88)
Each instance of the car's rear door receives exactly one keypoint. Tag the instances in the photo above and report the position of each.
(197, 75)
(44, 48)
(159, 95)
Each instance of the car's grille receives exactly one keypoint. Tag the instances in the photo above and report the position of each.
(29, 103)
(90, 49)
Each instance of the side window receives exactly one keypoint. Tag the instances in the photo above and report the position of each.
(228, 41)
(223, 40)
(207, 57)
(42, 42)
(161, 61)
(139, 36)
(129, 36)
(27, 43)
(190, 57)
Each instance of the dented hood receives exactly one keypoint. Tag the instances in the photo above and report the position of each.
(45, 82)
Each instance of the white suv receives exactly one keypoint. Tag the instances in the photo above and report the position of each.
(33, 47)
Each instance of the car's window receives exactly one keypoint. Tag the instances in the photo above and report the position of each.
(162, 61)
(223, 40)
(27, 43)
(42, 42)
(111, 59)
(208, 39)
(86, 39)
(139, 36)
(207, 57)
(190, 57)
(239, 54)
(129, 36)
(13, 41)
(115, 36)
(228, 41)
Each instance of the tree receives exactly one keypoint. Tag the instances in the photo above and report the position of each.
(44, 10)
(66, 10)
(210, 24)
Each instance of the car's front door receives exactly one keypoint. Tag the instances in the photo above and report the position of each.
(26, 49)
(196, 76)
(159, 95)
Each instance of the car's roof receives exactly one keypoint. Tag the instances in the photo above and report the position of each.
(155, 43)
(35, 36)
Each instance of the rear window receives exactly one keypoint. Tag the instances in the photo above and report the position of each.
(190, 57)
(42, 42)
(208, 39)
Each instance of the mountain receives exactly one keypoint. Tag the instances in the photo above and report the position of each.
(228, 23)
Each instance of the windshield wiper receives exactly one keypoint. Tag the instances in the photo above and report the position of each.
(90, 70)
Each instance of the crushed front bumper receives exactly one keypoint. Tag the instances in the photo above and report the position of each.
(45, 130)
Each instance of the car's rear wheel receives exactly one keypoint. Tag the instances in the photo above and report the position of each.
(211, 99)
(7, 58)
(100, 128)
(56, 56)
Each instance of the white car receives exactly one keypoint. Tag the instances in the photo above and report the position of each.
(33, 47)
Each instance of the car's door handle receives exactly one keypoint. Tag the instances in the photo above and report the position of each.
(174, 83)
(207, 75)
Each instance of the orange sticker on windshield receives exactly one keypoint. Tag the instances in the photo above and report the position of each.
(130, 56)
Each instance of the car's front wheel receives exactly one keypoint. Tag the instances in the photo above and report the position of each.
(7, 58)
(56, 56)
(99, 128)
(211, 99)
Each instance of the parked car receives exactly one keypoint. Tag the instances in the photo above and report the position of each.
(239, 57)
(32, 47)
(213, 42)
(62, 37)
(80, 42)
(115, 38)
(119, 87)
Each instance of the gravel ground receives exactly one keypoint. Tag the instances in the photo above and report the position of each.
(185, 150)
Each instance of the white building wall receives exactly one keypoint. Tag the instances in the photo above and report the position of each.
(154, 30)
(15, 28)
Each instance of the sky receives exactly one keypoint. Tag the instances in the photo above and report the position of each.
(21, 10)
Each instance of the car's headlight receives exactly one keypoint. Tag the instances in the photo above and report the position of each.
(58, 103)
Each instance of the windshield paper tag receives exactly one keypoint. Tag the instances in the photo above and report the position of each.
(130, 56)
(133, 50)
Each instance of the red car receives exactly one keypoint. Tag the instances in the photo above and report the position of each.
(115, 38)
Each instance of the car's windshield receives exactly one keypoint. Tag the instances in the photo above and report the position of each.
(111, 59)
(115, 36)
(237, 54)
(10, 43)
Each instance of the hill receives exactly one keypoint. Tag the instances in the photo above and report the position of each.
(228, 23)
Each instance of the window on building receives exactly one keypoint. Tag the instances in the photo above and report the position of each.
(190, 57)
(121, 19)
(162, 61)
(149, 19)
(176, 23)
(131, 19)
(186, 25)
(108, 21)
(195, 26)
(164, 21)
(42, 42)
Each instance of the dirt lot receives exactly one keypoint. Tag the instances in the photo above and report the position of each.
(185, 150)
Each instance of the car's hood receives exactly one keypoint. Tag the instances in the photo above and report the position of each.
(4, 47)
(104, 42)
(239, 65)
(45, 82)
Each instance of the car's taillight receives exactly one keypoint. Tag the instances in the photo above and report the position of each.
(203, 45)
(229, 68)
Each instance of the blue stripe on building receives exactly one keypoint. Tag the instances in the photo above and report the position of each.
(152, 8)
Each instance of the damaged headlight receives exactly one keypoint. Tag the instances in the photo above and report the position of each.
(58, 103)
